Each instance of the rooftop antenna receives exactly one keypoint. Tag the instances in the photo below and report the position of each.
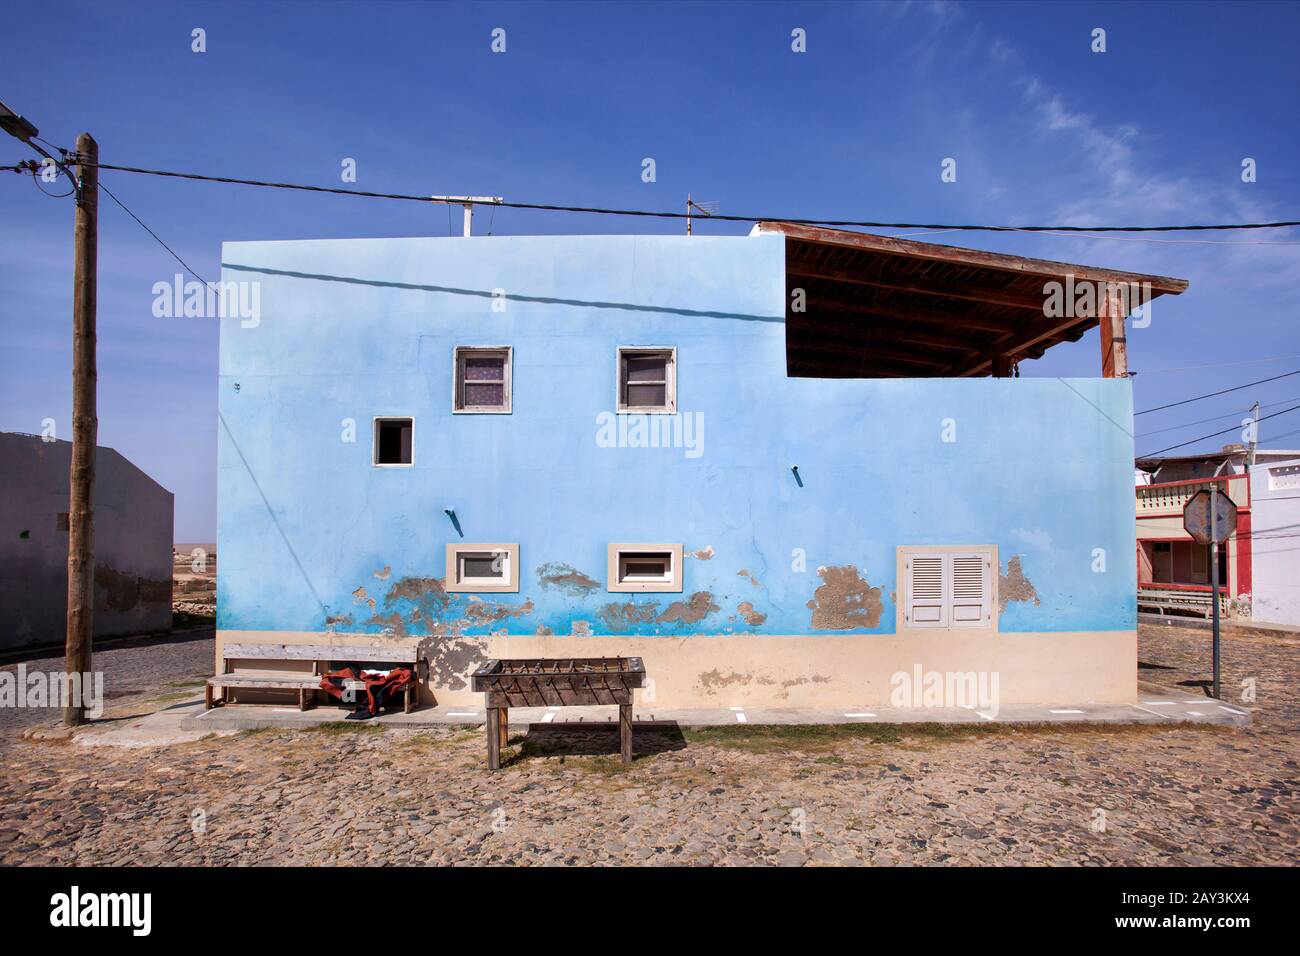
(468, 202)
(706, 208)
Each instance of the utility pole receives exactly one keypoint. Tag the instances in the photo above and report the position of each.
(85, 423)
(1214, 577)
(85, 428)
(1254, 439)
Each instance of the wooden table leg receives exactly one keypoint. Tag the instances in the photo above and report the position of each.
(625, 731)
(494, 738)
(505, 727)
(207, 697)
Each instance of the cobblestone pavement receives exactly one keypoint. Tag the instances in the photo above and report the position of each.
(131, 668)
(877, 794)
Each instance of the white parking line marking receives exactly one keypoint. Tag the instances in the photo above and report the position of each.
(1065, 711)
(462, 713)
(738, 708)
(1159, 703)
(1149, 711)
(861, 714)
(1233, 710)
(741, 718)
(984, 715)
(1195, 713)
(548, 716)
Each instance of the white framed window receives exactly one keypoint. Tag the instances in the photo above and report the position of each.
(647, 379)
(394, 443)
(948, 587)
(482, 567)
(645, 567)
(481, 383)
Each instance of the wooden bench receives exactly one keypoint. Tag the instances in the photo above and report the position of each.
(1176, 599)
(405, 653)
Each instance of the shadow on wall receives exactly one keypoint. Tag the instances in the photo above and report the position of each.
(490, 295)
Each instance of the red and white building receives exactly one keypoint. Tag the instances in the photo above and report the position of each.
(1173, 570)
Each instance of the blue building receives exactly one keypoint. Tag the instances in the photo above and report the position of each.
(781, 468)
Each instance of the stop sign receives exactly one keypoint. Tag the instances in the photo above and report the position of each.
(1198, 512)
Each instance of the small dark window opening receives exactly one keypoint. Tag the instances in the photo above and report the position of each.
(393, 441)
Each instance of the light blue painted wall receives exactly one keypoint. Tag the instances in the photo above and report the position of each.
(357, 328)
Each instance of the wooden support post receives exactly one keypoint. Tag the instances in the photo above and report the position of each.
(625, 731)
(207, 696)
(494, 738)
(85, 428)
(1114, 342)
(505, 727)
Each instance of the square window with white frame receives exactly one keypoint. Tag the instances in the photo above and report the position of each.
(645, 567)
(647, 379)
(394, 442)
(482, 380)
(475, 568)
(948, 588)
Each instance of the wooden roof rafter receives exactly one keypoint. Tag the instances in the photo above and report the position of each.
(884, 305)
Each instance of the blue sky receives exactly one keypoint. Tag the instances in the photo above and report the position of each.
(1043, 130)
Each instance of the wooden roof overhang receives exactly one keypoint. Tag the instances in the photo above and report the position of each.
(879, 307)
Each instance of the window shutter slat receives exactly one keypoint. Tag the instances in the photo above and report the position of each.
(925, 591)
(971, 590)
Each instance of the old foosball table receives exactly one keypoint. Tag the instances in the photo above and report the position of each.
(557, 682)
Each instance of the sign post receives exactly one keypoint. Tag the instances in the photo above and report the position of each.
(1210, 519)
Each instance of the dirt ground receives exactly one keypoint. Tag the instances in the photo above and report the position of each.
(194, 583)
(857, 794)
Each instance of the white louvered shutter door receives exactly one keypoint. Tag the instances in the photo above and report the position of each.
(926, 606)
(971, 594)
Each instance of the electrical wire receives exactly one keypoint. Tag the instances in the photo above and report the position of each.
(551, 207)
(1193, 368)
(1213, 418)
(1235, 388)
(152, 233)
(1223, 431)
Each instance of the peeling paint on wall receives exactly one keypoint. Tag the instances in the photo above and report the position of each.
(1014, 586)
(384, 574)
(623, 615)
(752, 617)
(489, 612)
(744, 573)
(582, 629)
(566, 578)
(689, 612)
(704, 554)
(716, 680)
(452, 660)
(845, 602)
(361, 596)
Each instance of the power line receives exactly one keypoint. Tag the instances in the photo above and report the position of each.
(1193, 368)
(550, 207)
(1224, 431)
(1213, 418)
(152, 233)
(1235, 388)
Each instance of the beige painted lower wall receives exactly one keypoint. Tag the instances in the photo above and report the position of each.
(824, 671)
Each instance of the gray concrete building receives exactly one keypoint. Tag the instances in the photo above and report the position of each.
(133, 543)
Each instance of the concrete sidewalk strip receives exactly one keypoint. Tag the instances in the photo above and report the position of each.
(191, 718)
